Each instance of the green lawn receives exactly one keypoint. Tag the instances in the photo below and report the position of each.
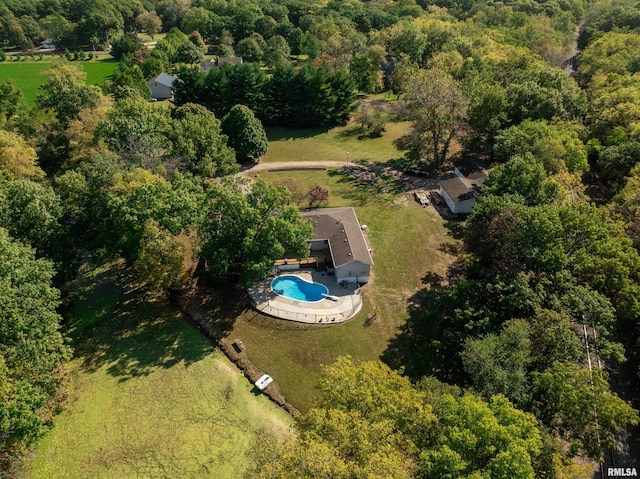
(333, 144)
(29, 75)
(408, 242)
(98, 72)
(149, 396)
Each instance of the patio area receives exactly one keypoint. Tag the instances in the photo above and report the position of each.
(346, 302)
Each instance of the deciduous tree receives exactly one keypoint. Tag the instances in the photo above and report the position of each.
(31, 213)
(521, 175)
(65, 92)
(556, 145)
(317, 196)
(32, 349)
(577, 402)
(482, 439)
(497, 363)
(246, 134)
(188, 53)
(164, 261)
(17, 157)
(150, 23)
(247, 227)
(438, 110)
(199, 143)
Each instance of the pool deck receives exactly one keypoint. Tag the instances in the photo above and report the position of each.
(346, 306)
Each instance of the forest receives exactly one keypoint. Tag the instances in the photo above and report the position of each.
(489, 377)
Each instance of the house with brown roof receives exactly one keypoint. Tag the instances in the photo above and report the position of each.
(338, 231)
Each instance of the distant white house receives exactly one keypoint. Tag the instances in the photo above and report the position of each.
(461, 191)
(338, 230)
(161, 86)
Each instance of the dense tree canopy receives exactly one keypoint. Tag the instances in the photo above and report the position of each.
(556, 145)
(65, 92)
(32, 349)
(372, 421)
(244, 233)
(113, 175)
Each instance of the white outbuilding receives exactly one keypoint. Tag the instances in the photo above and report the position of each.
(161, 86)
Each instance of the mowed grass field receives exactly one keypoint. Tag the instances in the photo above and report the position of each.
(333, 144)
(149, 396)
(29, 75)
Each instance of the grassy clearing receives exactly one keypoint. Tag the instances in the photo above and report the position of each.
(149, 396)
(98, 72)
(407, 243)
(143, 37)
(333, 144)
(28, 76)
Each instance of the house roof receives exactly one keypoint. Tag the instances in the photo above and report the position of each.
(340, 227)
(163, 79)
(460, 189)
(208, 63)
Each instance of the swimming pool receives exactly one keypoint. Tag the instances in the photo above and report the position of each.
(294, 287)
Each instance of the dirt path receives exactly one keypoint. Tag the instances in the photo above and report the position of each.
(569, 65)
(286, 165)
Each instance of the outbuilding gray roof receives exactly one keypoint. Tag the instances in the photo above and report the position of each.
(340, 227)
(460, 189)
(163, 79)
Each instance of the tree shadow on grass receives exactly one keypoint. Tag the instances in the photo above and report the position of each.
(275, 133)
(118, 326)
(421, 346)
(373, 185)
(216, 307)
(456, 228)
(353, 131)
(359, 132)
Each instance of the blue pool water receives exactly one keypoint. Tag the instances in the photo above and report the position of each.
(294, 287)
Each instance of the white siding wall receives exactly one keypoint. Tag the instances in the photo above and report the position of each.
(464, 207)
(160, 91)
(352, 272)
(447, 200)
